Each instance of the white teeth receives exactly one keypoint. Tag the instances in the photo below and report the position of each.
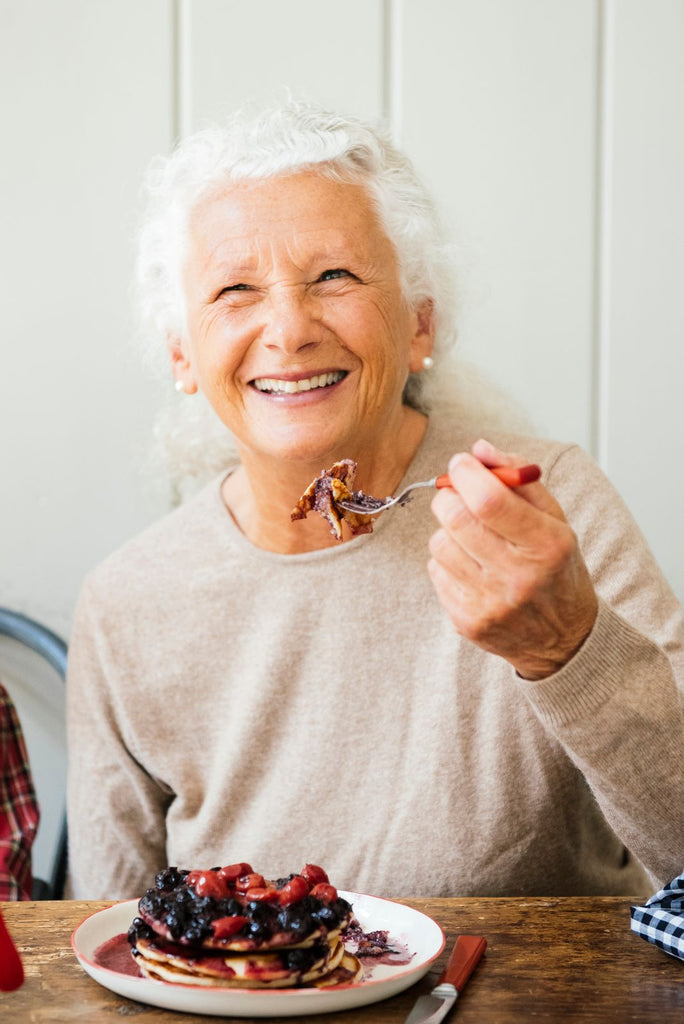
(291, 387)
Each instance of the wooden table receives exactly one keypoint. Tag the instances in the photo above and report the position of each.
(559, 960)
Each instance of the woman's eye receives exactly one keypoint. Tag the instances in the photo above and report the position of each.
(235, 294)
(332, 275)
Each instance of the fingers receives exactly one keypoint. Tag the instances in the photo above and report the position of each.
(490, 456)
(512, 513)
(495, 529)
(464, 538)
(507, 567)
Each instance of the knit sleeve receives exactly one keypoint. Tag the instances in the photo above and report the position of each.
(116, 810)
(617, 706)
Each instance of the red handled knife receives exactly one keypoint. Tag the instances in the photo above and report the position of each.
(465, 956)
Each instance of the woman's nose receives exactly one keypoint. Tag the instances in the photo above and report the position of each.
(293, 322)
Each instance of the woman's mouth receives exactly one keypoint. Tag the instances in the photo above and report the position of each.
(276, 386)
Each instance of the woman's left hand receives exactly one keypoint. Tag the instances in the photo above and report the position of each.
(507, 566)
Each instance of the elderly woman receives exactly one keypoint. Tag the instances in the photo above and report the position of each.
(483, 701)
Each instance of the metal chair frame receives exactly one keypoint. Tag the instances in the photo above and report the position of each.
(53, 649)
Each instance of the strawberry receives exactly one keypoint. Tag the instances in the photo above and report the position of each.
(210, 883)
(232, 872)
(249, 881)
(224, 927)
(324, 892)
(293, 891)
(267, 894)
(313, 874)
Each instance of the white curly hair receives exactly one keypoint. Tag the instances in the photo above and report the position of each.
(261, 143)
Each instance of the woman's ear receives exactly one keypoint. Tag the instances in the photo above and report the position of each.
(423, 336)
(180, 365)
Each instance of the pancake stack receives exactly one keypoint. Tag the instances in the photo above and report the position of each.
(229, 927)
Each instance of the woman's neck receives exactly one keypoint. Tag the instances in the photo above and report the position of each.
(261, 494)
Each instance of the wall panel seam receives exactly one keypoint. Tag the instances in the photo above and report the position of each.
(181, 68)
(174, 85)
(603, 238)
(393, 21)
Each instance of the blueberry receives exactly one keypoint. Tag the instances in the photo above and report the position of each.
(151, 903)
(297, 959)
(292, 920)
(287, 919)
(256, 930)
(257, 911)
(325, 916)
(167, 879)
(228, 908)
(139, 930)
(174, 924)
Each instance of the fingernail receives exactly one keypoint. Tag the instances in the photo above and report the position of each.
(455, 460)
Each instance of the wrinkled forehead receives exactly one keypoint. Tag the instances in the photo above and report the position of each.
(307, 213)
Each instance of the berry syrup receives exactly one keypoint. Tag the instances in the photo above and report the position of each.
(115, 954)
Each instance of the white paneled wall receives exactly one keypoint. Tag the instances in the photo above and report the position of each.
(501, 120)
(86, 93)
(86, 99)
(641, 379)
(231, 53)
(550, 131)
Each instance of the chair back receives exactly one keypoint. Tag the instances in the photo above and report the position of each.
(53, 649)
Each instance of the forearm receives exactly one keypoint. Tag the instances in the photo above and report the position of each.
(617, 710)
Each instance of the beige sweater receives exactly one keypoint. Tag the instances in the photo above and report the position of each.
(227, 703)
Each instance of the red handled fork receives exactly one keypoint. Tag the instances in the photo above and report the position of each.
(512, 476)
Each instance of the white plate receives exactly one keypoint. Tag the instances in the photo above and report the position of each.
(423, 937)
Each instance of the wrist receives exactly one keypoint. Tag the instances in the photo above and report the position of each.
(541, 665)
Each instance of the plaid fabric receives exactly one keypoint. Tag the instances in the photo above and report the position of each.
(661, 920)
(18, 807)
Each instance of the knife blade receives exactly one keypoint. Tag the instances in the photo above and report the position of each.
(465, 956)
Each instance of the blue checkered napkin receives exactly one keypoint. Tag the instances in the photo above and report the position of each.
(661, 921)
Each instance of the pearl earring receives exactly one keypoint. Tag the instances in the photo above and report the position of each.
(428, 362)
(178, 385)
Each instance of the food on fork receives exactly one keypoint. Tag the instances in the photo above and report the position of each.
(323, 494)
(231, 927)
(331, 495)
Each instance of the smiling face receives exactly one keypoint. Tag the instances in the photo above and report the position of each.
(297, 331)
